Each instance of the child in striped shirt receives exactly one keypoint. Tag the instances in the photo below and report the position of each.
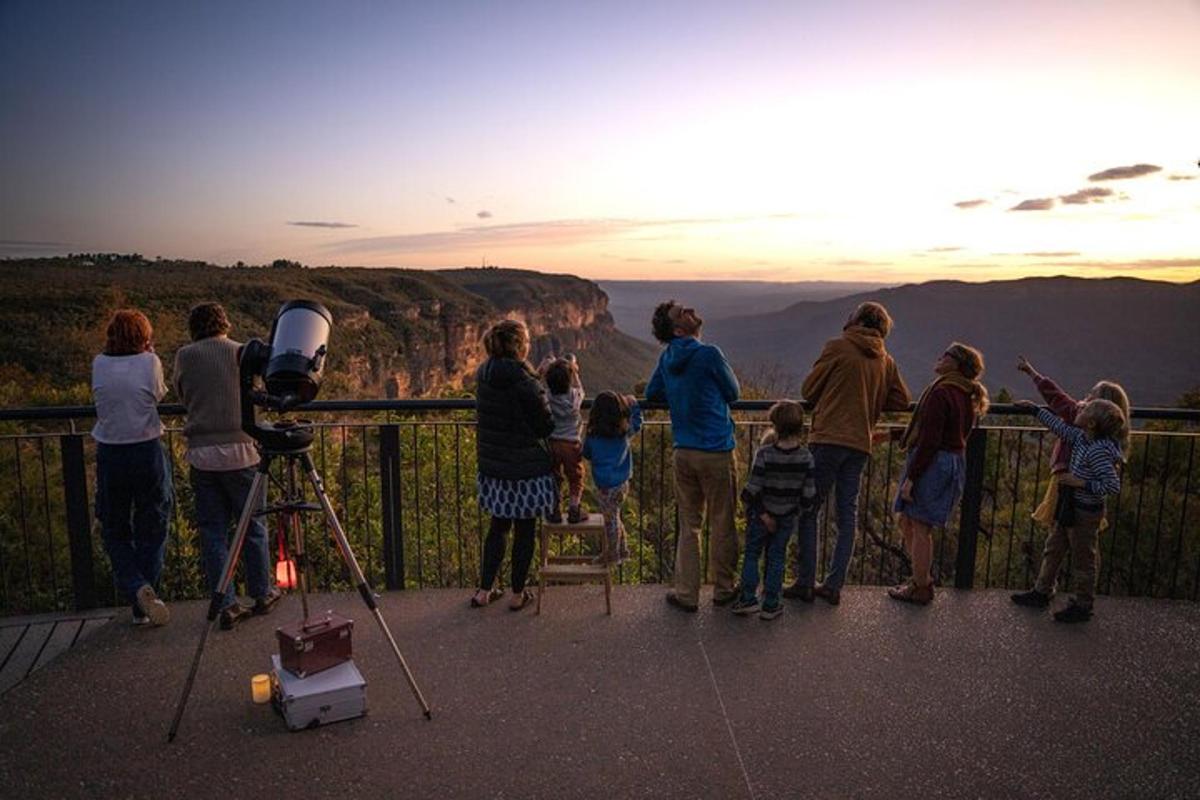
(1095, 453)
(780, 489)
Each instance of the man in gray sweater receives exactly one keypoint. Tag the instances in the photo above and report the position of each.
(222, 459)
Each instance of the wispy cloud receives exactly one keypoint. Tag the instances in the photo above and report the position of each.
(949, 249)
(485, 214)
(547, 233)
(1037, 204)
(1140, 265)
(1052, 254)
(1124, 173)
(971, 203)
(450, 200)
(27, 247)
(322, 224)
(1181, 178)
(1093, 194)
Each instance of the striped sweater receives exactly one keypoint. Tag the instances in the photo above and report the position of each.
(781, 480)
(1092, 461)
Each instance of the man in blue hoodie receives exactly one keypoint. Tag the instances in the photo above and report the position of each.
(698, 385)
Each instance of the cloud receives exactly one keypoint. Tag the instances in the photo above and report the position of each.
(680, 261)
(548, 233)
(1093, 194)
(1038, 204)
(1052, 254)
(1182, 178)
(971, 203)
(1123, 173)
(450, 200)
(944, 249)
(1142, 265)
(320, 224)
(25, 247)
(485, 214)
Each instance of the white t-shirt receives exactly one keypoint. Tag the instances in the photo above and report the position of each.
(126, 390)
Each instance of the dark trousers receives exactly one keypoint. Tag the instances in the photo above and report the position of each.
(493, 551)
(133, 503)
(838, 468)
(220, 498)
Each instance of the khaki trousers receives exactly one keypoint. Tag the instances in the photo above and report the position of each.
(705, 484)
(1082, 540)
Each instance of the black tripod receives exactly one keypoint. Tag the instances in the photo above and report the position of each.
(291, 506)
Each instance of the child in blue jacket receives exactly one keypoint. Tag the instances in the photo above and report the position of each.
(612, 421)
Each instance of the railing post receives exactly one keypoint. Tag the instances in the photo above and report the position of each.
(393, 508)
(79, 523)
(972, 506)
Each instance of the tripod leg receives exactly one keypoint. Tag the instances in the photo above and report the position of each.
(360, 579)
(218, 595)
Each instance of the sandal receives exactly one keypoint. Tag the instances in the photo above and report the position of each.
(911, 593)
(495, 594)
(524, 599)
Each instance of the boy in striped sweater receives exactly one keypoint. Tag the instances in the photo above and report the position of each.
(1095, 453)
(780, 489)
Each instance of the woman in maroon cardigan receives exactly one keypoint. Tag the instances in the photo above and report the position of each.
(936, 440)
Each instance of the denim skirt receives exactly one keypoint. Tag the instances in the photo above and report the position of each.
(937, 491)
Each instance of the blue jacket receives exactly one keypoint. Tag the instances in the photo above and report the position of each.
(697, 383)
(612, 461)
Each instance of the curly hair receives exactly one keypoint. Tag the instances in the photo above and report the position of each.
(661, 324)
(503, 340)
(128, 333)
(207, 320)
(872, 315)
(970, 364)
(1115, 393)
(609, 416)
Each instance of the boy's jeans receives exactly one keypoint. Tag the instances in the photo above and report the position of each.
(839, 468)
(220, 497)
(133, 503)
(775, 544)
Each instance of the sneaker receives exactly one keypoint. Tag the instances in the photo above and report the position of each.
(576, 515)
(742, 607)
(232, 615)
(264, 604)
(155, 610)
(674, 602)
(770, 612)
(726, 599)
(1073, 613)
(831, 596)
(798, 592)
(139, 618)
(1031, 599)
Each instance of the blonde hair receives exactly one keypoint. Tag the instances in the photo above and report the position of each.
(970, 364)
(787, 419)
(503, 340)
(1115, 393)
(871, 315)
(1103, 419)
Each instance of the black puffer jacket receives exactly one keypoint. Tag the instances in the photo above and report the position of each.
(513, 420)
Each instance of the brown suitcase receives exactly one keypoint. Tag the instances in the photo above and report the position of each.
(309, 646)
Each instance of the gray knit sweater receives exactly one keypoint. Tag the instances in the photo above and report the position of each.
(206, 381)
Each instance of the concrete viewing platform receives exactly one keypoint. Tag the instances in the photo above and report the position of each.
(970, 697)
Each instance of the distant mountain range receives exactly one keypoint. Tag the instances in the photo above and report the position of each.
(1143, 334)
(632, 302)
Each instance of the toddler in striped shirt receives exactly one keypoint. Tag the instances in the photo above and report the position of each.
(780, 489)
(1095, 455)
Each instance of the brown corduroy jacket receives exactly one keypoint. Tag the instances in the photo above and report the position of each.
(853, 381)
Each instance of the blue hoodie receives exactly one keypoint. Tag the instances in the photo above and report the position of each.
(698, 385)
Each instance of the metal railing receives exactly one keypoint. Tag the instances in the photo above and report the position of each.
(401, 477)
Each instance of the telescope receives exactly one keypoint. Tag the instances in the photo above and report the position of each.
(290, 368)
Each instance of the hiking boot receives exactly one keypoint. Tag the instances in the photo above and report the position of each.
(674, 602)
(1073, 613)
(1031, 599)
(911, 593)
(799, 592)
(829, 595)
(742, 607)
(232, 615)
(770, 612)
(264, 604)
(154, 609)
(576, 515)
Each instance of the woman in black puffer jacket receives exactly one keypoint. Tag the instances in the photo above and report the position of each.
(515, 482)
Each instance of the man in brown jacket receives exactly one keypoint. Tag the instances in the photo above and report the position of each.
(852, 382)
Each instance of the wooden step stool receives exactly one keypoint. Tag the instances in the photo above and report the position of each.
(574, 569)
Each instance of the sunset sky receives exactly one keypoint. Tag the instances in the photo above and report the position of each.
(859, 140)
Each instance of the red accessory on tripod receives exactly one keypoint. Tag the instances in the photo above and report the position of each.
(285, 568)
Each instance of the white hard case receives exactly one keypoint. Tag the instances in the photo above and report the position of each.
(330, 695)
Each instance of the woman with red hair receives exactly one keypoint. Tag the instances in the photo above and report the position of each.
(133, 478)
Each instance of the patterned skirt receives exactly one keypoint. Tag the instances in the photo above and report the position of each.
(525, 498)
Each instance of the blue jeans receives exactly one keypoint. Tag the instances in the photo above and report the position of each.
(220, 497)
(839, 468)
(133, 503)
(775, 544)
